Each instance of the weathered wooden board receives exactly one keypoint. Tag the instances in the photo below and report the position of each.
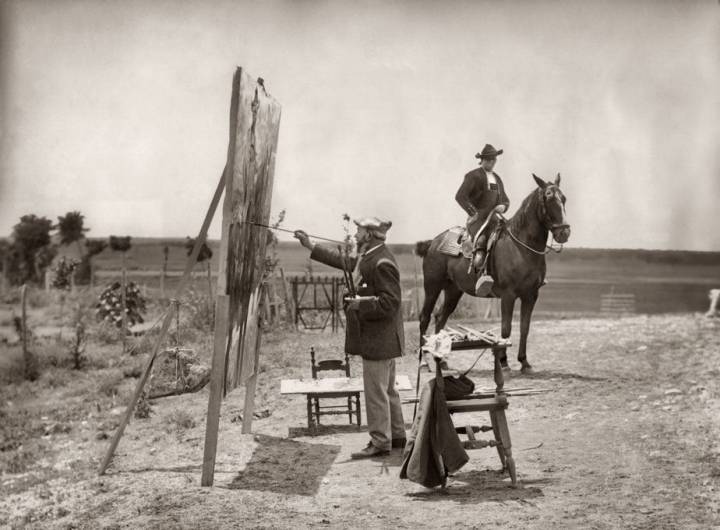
(330, 385)
(254, 128)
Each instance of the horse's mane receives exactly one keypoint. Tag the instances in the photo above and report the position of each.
(522, 217)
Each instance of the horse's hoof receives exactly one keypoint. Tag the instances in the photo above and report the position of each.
(527, 369)
(506, 368)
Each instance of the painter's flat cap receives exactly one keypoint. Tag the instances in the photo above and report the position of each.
(489, 152)
(374, 223)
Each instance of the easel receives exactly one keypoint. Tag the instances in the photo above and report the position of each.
(247, 182)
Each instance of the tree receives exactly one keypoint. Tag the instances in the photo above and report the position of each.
(31, 250)
(71, 228)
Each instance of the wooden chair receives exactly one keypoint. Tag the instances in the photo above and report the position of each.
(314, 410)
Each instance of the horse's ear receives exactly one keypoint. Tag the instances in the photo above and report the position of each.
(557, 180)
(540, 182)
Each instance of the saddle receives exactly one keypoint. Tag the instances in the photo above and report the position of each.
(456, 241)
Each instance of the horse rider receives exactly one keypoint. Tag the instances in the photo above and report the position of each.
(374, 328)
(481, 192)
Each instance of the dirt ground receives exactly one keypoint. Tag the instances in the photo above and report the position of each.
(627, 437)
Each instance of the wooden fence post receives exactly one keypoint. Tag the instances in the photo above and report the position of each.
(123, 302)
(23, 305)
(289, 309)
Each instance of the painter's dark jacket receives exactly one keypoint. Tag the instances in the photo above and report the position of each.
(375, 330)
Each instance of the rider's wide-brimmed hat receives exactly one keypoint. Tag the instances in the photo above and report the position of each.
(488, 152)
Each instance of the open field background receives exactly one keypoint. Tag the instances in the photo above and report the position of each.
(662, 281)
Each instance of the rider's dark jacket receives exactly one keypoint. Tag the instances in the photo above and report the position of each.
(476, 196)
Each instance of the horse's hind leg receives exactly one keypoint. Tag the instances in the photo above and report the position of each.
(432, 292)
(452, 297)
(526, 309)
(507, 305)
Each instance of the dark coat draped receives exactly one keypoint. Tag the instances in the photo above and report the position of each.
(375, 329)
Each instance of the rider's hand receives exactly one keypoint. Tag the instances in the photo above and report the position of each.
(501, 208)
(304, 239)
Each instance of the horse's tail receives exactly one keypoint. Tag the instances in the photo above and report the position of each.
(422, 247)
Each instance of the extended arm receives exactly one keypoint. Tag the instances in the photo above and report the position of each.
(332, 257)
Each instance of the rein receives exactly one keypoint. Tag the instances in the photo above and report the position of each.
(548, 248)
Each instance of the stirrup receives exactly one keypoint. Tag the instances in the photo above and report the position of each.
(484, 285)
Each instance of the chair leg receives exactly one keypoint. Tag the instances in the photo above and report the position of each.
(350, 409)
(317, 410)
(357, 408)
(309, 413)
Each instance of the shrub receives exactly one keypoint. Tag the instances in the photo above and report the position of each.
(143, 408)
(180, 419)
(62, 273)
(107, 333)
(109, 308)
(110, 382)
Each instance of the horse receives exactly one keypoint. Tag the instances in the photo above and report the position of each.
(516, 264)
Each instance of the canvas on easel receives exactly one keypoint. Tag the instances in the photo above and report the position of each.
(254, 128)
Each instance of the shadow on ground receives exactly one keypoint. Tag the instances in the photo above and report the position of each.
(286, 466)
(473, 487)
(321, 430)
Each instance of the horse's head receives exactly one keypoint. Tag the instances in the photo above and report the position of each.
(552, 208)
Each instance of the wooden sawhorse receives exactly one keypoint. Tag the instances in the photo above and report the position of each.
(495, 406)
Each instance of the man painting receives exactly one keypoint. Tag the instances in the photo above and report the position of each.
(374, 328)
(481, 192)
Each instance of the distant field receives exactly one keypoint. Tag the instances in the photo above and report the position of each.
(662, 281)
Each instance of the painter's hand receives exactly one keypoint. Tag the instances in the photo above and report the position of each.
(301, 236)
(352, 304)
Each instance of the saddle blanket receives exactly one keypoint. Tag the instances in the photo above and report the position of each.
(450, 242)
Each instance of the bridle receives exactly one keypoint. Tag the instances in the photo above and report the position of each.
(548, 226)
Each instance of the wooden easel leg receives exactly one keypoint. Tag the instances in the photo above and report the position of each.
(249, 405)
(506, 444)
(251, 384)
(222, 305)
(136, 395)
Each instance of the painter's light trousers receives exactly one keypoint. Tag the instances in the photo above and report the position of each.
(382, 403)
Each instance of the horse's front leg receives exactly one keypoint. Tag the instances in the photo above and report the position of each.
(507, 305)
(526, 309)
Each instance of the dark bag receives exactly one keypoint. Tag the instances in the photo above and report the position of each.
(457, 387)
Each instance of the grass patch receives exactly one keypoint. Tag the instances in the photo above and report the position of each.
(180, 420)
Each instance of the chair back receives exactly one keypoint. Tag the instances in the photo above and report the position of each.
(328, 365)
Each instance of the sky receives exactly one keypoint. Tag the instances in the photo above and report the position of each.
(120, 110)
